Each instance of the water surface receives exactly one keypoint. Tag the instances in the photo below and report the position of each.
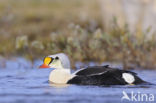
(22, 84)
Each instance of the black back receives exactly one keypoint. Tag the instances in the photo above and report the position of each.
(93, 70)
(102, 75)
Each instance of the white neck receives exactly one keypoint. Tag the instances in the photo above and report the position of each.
(60, 76)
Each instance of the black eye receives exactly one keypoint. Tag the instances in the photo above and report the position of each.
(56, 58)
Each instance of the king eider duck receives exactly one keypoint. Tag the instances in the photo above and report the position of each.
(94, 75)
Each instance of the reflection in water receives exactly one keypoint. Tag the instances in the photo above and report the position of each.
(58, 85)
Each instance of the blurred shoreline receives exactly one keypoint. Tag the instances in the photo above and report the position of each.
(34, 29)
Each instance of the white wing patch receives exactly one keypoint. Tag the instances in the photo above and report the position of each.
(129, 78)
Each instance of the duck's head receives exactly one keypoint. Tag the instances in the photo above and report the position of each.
(50, 62)
(56, 61)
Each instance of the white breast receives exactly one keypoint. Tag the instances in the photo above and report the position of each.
(129, 78)
(60, 76)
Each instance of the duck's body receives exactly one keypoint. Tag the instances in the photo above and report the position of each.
(95, 75)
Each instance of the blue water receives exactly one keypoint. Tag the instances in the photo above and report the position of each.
(22, 83)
